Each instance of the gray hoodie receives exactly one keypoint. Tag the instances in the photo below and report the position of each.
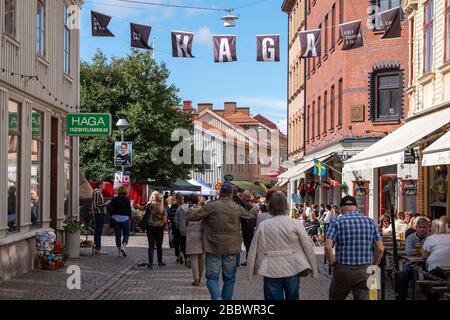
(180, 218)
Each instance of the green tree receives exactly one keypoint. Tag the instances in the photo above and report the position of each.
(133, 87)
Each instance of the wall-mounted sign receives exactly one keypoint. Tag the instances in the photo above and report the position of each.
(357, 113)
(122, 153)
(122, 179)
(409, 157)
(361, 194)
(88, 124)
(409, 195)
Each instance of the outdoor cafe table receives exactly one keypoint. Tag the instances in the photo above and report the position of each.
(414, 260)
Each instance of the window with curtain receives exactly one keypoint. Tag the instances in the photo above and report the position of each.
(326, 35)
(325, 111)
(36, 169)
(10, 17)
(332, 106)
(333, 26)
(322, 52)
(341, 11)
(13, 181)
(428, 35)
(40, 28)
(313, 120)
(66, 40)
(318, 116)
(308, 121)
(340, 102)
(388, 96)
(388, 4)
(411, 50)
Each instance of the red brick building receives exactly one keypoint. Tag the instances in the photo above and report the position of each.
(352, 98)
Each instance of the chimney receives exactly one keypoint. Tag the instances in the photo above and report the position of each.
(230, 107)
(203, 106)
(187, 105)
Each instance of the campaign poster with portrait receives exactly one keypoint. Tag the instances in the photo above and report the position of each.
(123, 153)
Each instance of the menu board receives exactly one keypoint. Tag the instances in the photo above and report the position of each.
(361, 194)
(409, 195)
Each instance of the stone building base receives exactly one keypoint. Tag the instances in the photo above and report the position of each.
(17, 256)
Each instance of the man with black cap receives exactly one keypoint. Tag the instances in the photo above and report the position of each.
(221, 240)
(358, 245)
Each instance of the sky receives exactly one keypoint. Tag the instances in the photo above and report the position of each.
(258, 85)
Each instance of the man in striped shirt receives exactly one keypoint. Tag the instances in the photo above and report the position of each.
(358, 246)
(98, 208)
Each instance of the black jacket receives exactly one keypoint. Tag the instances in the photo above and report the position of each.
(120, 206)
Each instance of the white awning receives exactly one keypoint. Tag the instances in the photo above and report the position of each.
(296, 172)
(390, 150)
(437, 153)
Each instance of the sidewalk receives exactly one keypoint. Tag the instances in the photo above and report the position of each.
(108, 277)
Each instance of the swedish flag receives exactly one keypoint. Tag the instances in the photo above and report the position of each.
(319, 168)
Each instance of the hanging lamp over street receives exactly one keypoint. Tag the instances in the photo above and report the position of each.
(229, 20)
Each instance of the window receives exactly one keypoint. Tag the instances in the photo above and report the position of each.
(429, 35)
(66, 40)
(326, 35)
(447, 31)
(388, 4)
(411, 51)
(67, 174)
(341, 11)
(333, 26)
(325, 110)
(332, 106)
(36, 169)
(309, 6)
(321, 52)
(40, 28)
(313, 120)
(388, 96)
(10, 17)
(340, 102)
(13, 166)
(318, 116)
(308, 122)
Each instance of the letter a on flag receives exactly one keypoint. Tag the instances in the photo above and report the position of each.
(310, 43)
(224, 48)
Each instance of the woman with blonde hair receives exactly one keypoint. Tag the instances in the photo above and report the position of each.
(120, 211)
(155, 222)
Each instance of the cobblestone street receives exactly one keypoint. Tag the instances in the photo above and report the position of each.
(108, 277)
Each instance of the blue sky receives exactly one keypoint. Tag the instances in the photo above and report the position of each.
(261, 86)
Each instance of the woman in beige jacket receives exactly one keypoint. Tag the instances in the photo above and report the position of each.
(282, 252)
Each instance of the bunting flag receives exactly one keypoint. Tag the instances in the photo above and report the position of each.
(319, 169)
(391, 20)
(351, 35)
(182, 44)
(140, 35)
(326, 185)
(268, 48)
(100, 24)
(310, 43)
(334, 183)
(224, 48)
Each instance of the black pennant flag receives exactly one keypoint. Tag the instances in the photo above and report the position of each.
(310, 43)
(268, 48)
(351, 35)
(182, 44)
(391, 20)
(100, 24)
(224, 48)
(140, 35)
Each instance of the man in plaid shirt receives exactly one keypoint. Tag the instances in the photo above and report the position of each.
(358, 245)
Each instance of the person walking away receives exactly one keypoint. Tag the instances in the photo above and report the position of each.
(327, 217)
(248, 225)
(155, 220)
(413, 241)
(98, 208)
(264, 208)
(281, 252)
(222, 240)
(194, 242)
(120, 211)
(358, 245)
(180, 223)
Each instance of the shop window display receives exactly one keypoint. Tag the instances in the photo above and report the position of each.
(36, 170)
(13, 165)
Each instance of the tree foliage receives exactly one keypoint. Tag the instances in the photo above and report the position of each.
(132, 87)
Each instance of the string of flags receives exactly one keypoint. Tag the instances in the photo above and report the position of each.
(267, 46)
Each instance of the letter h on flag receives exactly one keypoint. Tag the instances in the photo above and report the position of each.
(319, 168)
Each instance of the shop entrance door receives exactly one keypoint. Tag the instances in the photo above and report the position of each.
(383, 205)
(54, 175)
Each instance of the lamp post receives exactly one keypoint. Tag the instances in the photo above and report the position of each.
(122, 124)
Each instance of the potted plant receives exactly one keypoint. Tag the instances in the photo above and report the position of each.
(344, 187)
(72, 228)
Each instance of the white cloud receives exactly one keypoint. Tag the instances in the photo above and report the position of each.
(203, 35)
(282, 124)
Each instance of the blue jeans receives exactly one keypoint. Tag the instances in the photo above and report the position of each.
(118, 228)
(282, 288)
(99, 222)
(214, 264)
